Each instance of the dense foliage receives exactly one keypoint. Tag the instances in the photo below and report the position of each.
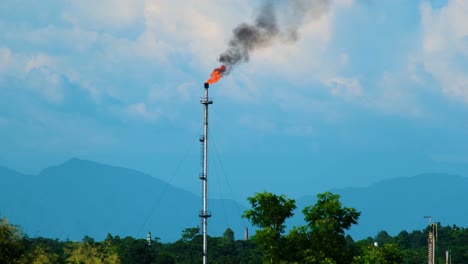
(269, 212)
(322, 240)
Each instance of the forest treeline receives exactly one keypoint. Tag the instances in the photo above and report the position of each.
(321, 240)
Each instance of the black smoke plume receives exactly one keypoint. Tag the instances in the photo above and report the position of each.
(277, 20)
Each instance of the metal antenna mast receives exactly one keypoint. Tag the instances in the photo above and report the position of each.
(432, 236)
(204, 214)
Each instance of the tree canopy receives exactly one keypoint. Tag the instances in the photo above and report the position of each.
(269, 212)
(322, 239)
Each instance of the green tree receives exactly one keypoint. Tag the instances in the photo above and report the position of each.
(326, 222)
(165, 258)
(40, 255)
(403, 239)
(188, 249)
(248, 252)
(387, 254)
(297, 244)
(223, 250)
(135, 251)
(383, 238)
(190, 233)
(108, 250)
(83, 252)
(269, 212)
(11, 246)
(90, 252)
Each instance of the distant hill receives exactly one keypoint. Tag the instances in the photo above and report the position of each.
(401, 204)
(81, 198)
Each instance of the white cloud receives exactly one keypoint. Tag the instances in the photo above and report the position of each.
(305, 104)
(445, 46)
(301, 64)
(47, 82)
(160, 94)
(198, 30)
(165, 94)
(395, 95)
(344, 87)
(141, 110)
(258, 124)
(299, 130)
(146, 48)
(76, 39)
(302, 60)
(38, 72)
(103, 14)
(193, 31)
(165, 34)
(38, 61)
(11, 63)
(344, 2)
(46, 74)
(5, 58)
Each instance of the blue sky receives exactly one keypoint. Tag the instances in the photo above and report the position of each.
(371, 90)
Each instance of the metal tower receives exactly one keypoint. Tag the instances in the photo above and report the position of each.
(205, 214)
(431, 239)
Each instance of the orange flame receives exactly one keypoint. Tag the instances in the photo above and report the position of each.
(216, 74)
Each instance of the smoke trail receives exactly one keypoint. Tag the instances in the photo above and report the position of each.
(266, 28)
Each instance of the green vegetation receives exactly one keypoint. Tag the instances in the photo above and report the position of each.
(269, 212)
(321, 240)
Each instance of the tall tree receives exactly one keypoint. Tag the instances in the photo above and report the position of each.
(269, 212)
(327, 222)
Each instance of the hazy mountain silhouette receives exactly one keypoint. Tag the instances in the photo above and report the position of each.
(401, 204)
(81, 198)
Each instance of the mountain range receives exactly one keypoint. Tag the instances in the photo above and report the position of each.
(80, 197)
(399, 204)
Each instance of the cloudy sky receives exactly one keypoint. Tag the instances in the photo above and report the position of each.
(369, 90)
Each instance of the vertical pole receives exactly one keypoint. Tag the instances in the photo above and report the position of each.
(434, 232)
(205, 173)
(430, 242)
(205, 214)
